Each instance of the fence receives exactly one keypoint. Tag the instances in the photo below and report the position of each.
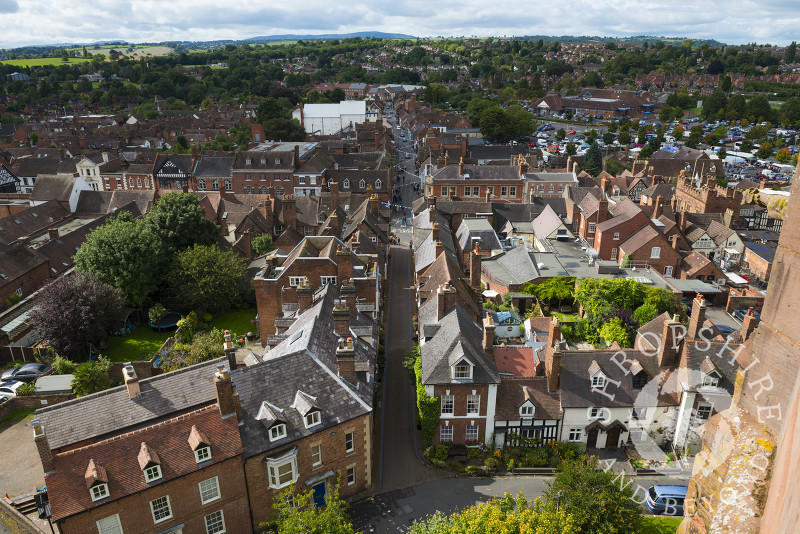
(10, 354)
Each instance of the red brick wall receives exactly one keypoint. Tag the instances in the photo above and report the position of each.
(334, 458)
(757, 266)
(604, 241)
(28, 282)
(459, 424)
(668, 256)
(184, 497)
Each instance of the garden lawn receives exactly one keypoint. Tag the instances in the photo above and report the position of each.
(238, 322)
(660, 525)
(141, 344)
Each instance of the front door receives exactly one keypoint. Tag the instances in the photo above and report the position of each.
(591, 439)
(668, 270)
(319, 494)
(612, 439)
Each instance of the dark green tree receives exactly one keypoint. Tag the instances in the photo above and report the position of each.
(179, 222)
(205, 277)
(297, 513)
(593, 161)
(91, 377)
(261, 244)
(791, 52)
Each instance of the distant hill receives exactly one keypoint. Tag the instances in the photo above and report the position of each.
(636, 39)
(325, 36)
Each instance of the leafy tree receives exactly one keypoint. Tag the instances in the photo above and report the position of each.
(726, 84)
(126, 254)
(493, 123)
(475, 109)
(262, 244)
(593, 162)
(613, 330)
(666, 114)
(714, 102)
(791, 52)
(179, 222)
(156, 312)
(595, 499)
(561, 134)
(63, 366)
(74, 311)
(501, 516)
(764, 151)
(645, 313)
(571, 149)
(284, 130)
(758, 108)
(91, 377)
(783, 155)
(206, 277)
(722, 153)
(554, 290)
(297, 513)
(203, 347)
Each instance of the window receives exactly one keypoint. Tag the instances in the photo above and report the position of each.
(248, 177)
(639, 380)
(592, 227)
(152, 473)
(263, 190)
(575, 434)
(711, 381)
(362, 184)
(248, 161)
(560, 188)
(138, 182)
(526, 411)
(462, 370)
(453, 191)
(467, 191)
(277, 432)
(471, 433)
(639, 414)
(597, 413)
(490, 189)
(278, 191)
(503, 191)
(262, 177)
(598, 380)
(99, 491)
(378, 184)
(316, 455)
(110, 525)
(160, 509)
(704, 411)
(512, 191)
(313, 418)
(551, 188)
(147, 182)
(209, 490)
(202, 454)
(541, 188)
(281, 474)
(312, 180)
(655, 253)
(328, 280)
(351, 476)
(616, 236)
(215, 185)
(476, 191)
(346, 184)
(446, 433)
(119, 182)
(349, 443)
(295, 281)
(228, 185)
(249, 190)
(201, 185)
(473, 404)
(130, 182)
(447, 404)
(215, 523)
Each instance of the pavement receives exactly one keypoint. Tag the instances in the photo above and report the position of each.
(20, 467)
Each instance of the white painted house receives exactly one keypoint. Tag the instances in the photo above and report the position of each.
(330, 119)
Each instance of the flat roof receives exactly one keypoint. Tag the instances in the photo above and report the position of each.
(693, 286)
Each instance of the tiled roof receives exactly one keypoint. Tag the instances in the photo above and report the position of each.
(514, 266)
(517, 361)
(512, 393)
(117, 462)
(112, 410)
(32, 221)
(52, 187)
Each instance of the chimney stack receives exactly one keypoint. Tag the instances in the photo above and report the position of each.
(552, 355)
(676, 243)
(435, 232)
(659, 207)
(131, 381)
(682, 221)
(230, 350)
(487, 196)
(39, 437)
(374, 204)
(341, 318)
(224, 391)
(445, 298)
(348, 293)
(289, 209)
(461, 168)
(670, 342)
(305, 294)
(346, 360)
(475, 268)
(602, 210)
(334, 189)
(698, 316)
(53, 233)
(296, 157)
(749, 324)
(488, 335)
(604, 184)
(439, 248)
(344, 263)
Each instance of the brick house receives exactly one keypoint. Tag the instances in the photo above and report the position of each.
(173, 172)
(285, 283)
(478, 182)
(264, 172)
(705, 197)
(458, 369)
(23, 270)
(626, 220)
(158, 454)
(649, 248)
(697, 266)
(307, 406)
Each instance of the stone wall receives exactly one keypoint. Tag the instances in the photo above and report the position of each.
(31, 402)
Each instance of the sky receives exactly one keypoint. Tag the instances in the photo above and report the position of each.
(30, 22)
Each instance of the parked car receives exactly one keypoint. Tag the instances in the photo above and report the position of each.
(27, 373)
(739, 314)
(666, 499)
(9, 389)
(725, 330)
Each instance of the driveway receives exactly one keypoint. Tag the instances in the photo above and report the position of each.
(20, 467)
(400, 466)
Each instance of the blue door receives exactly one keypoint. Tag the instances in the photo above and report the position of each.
(319, 494)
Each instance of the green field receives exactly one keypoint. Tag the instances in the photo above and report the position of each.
(39, 62)
(660, 525)
(138, 50)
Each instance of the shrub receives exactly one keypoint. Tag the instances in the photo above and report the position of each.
(476, 470)
(90, 377)
(491, 463)
(207, 318)
(473, 453)
(188, 326)
(440, 453)
(13, 299)
(26, 390)
(63, 366)
(437, 462)
(156, 312)
(455, 465)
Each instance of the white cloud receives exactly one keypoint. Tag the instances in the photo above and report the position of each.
(69, 21)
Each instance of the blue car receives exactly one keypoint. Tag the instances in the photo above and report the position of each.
(666, 500)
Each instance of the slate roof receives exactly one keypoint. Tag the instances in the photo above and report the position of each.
(652, 330)
(507, 173)
(458, 335)
(119, 458)
(214, 166)
(32, 221)
(667, 191)
(446, 271)
(92, 202)
(477, 228)
(112, 410)
(512, 393)
(16, 261)
(486, 152)
(513, 266)
(546, 223)
(52, 187)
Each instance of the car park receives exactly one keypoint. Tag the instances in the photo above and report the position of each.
(666, 499)
(27, 373)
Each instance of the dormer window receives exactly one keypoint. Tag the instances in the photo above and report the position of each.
(202, 454)
(526, 410)
(149, 463)
(711, 380)
(639, 380)
(152, 473)
(99, 491)
(312, 419)
(362, 184)
(278, 432)
(200, 445)
(378, 184)
(346, 184)
(248, 161)
(599, 381)
(462, 370)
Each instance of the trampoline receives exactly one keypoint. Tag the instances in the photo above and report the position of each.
(167, 323)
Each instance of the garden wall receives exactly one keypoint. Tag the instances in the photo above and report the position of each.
(30, 402)
(734, 301)
(143, 368)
